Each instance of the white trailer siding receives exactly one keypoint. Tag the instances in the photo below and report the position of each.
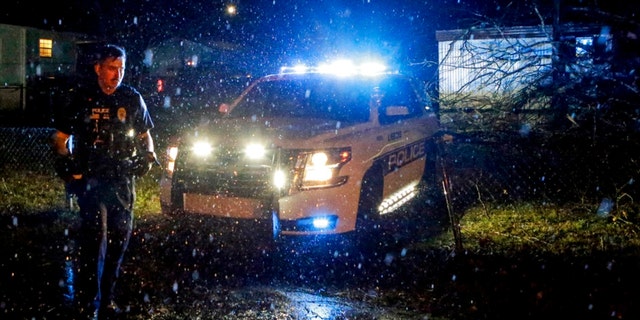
(487, 66)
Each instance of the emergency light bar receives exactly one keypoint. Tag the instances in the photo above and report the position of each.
(339, 68)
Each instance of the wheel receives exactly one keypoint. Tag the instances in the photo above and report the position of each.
(170, 199)
(433, 201)
(368, 232)
(369, 200)
(430, 173)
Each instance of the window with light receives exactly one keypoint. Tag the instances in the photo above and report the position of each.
(46, 48)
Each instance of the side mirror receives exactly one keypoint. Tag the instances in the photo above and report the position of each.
(396, 111)
(224, 108)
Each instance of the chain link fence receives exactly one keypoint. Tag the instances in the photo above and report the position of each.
(26, 149)
(554, 169)
(481, 167)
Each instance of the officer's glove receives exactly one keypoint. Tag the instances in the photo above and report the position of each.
(67, 169)
(143, 163)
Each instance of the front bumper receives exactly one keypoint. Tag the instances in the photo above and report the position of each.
(311, 212)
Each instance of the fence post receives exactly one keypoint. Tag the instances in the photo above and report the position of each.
(446, 190)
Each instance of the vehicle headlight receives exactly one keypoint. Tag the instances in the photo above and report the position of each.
(319, 169)
(279, 179)
(172, 152)
(255, 151)
(171, 155)
(202, 148)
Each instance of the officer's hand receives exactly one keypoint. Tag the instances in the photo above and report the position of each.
(143, 163)
(66, 168)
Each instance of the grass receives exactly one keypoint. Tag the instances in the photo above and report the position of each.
(573, 229)
(27, 193)
(148, 194)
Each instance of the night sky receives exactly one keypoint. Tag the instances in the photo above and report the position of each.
(303, 30)
(286, 21)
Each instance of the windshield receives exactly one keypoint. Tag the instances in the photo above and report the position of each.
(319, 97)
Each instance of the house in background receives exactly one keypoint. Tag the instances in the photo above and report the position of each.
(182, 75)
(35, 65)
(175, 54)
(495, 75)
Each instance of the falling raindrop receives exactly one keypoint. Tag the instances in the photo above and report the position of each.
(525, 130)
(605, 208)
(388, 259)
(175, 287)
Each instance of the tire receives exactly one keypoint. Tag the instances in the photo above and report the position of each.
(431, 193)
(368, 232)
(369, 200)
(430, 173)
(175, 207)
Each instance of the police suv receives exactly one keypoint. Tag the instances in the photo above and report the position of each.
(314, 151)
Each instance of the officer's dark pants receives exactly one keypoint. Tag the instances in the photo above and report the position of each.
(106, 210)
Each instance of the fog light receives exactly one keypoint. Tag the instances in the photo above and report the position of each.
(320, 223)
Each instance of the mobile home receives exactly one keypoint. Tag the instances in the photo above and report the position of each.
(34, 65)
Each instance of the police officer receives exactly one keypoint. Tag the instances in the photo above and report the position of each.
(110, 124)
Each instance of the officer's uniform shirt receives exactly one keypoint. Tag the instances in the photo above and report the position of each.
(104, 129)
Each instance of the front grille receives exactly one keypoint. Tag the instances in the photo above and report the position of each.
(237, 182)
(228, 174)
